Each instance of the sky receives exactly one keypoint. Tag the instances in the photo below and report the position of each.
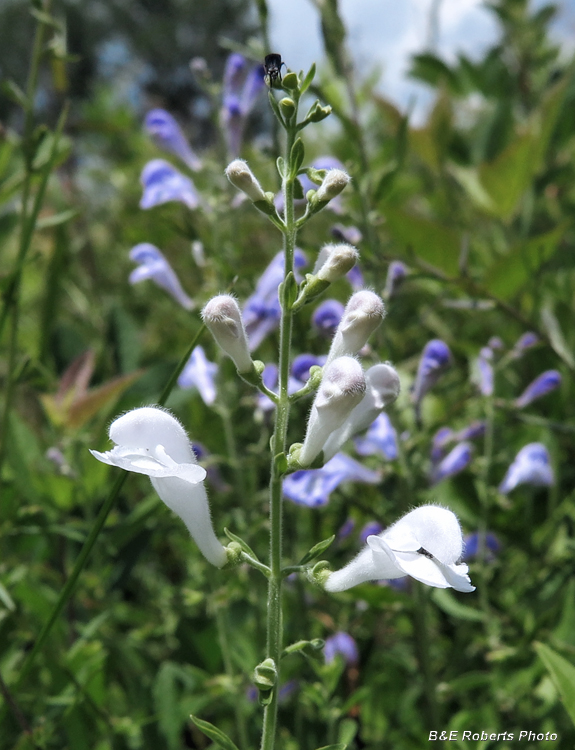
(385, 33)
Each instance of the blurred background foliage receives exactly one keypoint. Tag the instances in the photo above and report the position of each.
(478, 202)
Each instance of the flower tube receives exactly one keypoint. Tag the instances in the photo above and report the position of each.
(153, 265)
(151, 441)
(163, 183)
(168, 135)
(546, 382)
(363, 314)
(530, 466)
(435, 359)
(425, 544)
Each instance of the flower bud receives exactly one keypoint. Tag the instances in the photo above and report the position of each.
(546, 382)
(363, 314)
(317, 113)
(333, 184)
(290, 81)
(342, 388)
(334, 261)
(242, 177)
(382, 389)
(223, 318)
(287, 107)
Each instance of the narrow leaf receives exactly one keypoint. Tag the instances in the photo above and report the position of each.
(449, 604)
(553, 329)
(56, 219)
(308, 79)
(317, 550)
(296, 156)
(337, 746)
(562, 673)
(216, 735)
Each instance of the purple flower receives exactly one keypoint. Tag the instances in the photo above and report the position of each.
(455, 461)
(287, 690)
(396, 272)
(343, 644)
(485, 371)
(373, 527)
(242, 87)
(524, 342)
(530, 466)
(351, 235)
(380, 438)
(168, 135)
(262, 310)
(473, 542)
(153, 265)
(302, 364)
(541, 386)
(442, 437)
(200, 373)
(474, 430)
(327, 316)
(163, 183)
(355, 278)
(346, 529)
(312, 487)
(495, 342)
(435, 359)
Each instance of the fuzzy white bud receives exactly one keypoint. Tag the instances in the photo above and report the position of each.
(223, 318)
(382, 389)
(362, 315)
(335, 261)
(334, 182)
(341, 390)
(242, 177)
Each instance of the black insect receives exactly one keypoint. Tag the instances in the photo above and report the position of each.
(425, 553)
(272, 67)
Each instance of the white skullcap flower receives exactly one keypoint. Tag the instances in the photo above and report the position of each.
(362, 315)
(425, 544)
(151, 441)
(382, 389)
(223, 318)
(342, 388)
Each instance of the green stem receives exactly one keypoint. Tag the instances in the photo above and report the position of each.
(274, 609)
(420, 596)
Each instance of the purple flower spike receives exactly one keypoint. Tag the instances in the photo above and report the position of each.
(346, 530)
(541, 386)
(530, 466)
(312, 487)
(373, 527)
(163, 183)
(524, 342)
(455, 461)
(380, 438)
(200, 373)
(396, 272)
(343, 644)
(473, 542)
(234, 73)
(301, 366)
(168, 135)
(153, 265)
(242, 86)
(435, 359)
(262, 310)
(485, 371)
(327, 316)
(253, 87)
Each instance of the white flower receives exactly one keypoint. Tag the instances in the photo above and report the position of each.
(341, 389)
(382, 388)
(242, 177)
(426, 544)
(362, 315)
(223, 318)
(151, 441)
(335, 261)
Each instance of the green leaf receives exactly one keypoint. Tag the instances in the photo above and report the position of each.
(562, 673)
(56, 219)
(553, 329)
(297, 155)
(281, 167)
(274, 105)
(449, 604)
(308, 79)
(336, 746)
(521, 264)
(316, 551)
(431, 241)
(216, 735)
(11, 90)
